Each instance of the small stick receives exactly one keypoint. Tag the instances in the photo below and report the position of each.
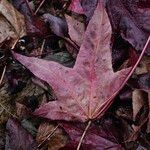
(50, 135)
(137, 130)
(8, 111)
(42, 47)
(28, 5)
(15, 43)
(83, 135)
(39, 7)
(4, 70)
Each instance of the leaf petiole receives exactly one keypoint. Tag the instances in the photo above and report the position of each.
(83, 135)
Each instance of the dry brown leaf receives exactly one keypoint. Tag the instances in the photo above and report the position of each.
(137, 102)
(52, 136)
(144, 66)
(12, 25)
(148, 124)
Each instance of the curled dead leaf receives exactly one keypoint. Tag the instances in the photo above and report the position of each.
(12, 25)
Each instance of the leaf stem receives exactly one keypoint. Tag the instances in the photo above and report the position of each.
(50, 135)
(83, 135)
(4, 108)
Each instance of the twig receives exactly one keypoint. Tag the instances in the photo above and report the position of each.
(83, 135)
(42, 47)
(50, 135)
(137, 130)
(3, 73)
(15, 43)
(28, 5)
(39, 7)
(8, 111)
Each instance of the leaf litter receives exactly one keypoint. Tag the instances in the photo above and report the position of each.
(83, 66)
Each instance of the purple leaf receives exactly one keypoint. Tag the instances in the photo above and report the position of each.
(34, 25)
(131, 21)
(57, 25)
(17, 138)
(96, 137)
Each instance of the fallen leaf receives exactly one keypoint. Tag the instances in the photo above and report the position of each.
(12, 25)
(85, 91)
(2, 139)
(96, 137)
(120, 51)
(76, 30)
(21, 110)
(148, 124)
(50, 136)
(57, 25)
(144, 66)
(141, 81)
(88, 7)
(17, 138)
(83, 7)
(137, 102)
(34, 24)
(131, 21)
(75, 6)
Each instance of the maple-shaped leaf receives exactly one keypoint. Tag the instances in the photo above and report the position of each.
(85, 91)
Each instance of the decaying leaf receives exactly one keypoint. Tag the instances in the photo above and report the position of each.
(97, 138)
(138, 102)
(144, 66)
(34, 24)
(132, 21)
(17, 138)
(57, 25)
(76, 6)
(51, 136)
(88, 7)
(85, 91)
(12, 25)
(148, 124)
(84, 7)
